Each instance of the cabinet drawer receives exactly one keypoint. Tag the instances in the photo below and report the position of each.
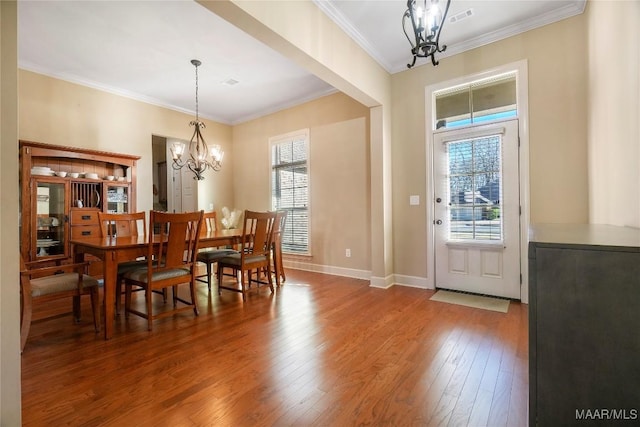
(84, 217)
(85, 231)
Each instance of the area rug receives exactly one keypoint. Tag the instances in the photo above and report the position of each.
(470, 300)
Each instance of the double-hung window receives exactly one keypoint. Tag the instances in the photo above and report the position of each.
(290, 188)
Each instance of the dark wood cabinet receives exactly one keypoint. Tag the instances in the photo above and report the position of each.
(60, 186)
(584, 325)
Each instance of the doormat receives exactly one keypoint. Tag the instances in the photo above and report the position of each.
(470, 300)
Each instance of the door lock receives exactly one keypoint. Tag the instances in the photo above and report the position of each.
(438, 200)
(439, 222)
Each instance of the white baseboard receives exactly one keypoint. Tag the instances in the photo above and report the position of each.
(327, 269)
(412, 281)
(375, 282)
(382, 282)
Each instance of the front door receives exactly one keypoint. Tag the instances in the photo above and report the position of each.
(477, 210)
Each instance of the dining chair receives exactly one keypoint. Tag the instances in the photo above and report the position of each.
(278, 229)
(171, 261)
(210, 256)
(47, 283)
(123, 225)
(254, 254)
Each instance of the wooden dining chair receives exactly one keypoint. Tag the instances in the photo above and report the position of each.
(254, 254)
(278, 229)
(171, 261)
(42, 284)
(123, 225)
(210, 256)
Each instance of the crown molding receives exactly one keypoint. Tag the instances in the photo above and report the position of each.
(279, 107)
(568, 11)
(572, 9)
(338, 18)
(71, 78)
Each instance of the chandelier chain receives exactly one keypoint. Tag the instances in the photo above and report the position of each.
(196, 63)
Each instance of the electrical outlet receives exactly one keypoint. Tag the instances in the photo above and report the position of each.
(210, 206)
(347, 253)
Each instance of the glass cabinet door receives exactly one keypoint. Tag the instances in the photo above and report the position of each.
(50, 219)
(117, 198)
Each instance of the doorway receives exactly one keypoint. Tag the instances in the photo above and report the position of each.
(173, 190)
(477, 209)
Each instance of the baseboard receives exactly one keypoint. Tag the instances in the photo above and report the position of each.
(412, 281)
(382, 282)
(375, 282)
(327, 269)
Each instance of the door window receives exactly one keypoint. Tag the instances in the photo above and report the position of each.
(474, 185)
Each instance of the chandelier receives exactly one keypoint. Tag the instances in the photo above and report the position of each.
(197, 156)
(424, 20)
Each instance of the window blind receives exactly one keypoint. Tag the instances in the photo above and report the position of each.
(290, 189)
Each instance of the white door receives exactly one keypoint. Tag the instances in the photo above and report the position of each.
(477, 210)
(182, 188)
(185, 191)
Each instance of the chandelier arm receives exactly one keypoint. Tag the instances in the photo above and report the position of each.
(414, 46)
(177, 164)
(193, 142)
(408, 14)
(197, 172)
(444, 18)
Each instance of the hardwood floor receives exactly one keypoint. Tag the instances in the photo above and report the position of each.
(322, 351)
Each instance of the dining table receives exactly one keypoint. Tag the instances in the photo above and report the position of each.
(113, 250)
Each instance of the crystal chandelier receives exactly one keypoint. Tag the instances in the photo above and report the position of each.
(423, 20)
(197, 156)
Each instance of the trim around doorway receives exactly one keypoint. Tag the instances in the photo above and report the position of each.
(522, 99)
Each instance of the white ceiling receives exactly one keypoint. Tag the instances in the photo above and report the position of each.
(142, 49)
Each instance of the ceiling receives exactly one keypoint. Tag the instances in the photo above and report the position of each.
(143, 49)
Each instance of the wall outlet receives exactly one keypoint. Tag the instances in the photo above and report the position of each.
(347, 253)
(210, 206)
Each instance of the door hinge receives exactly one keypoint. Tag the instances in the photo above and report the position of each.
(521, 278)
(520, 210)
(518, 140)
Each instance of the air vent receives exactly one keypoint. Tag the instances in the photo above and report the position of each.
(460, 16)
(230, 82)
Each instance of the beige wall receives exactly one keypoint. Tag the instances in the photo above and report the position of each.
(614, 113)
(303, 33)
(10, 387)
(556, 56)
(58, 112)
(339, 175)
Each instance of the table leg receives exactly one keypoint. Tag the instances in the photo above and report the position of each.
(109, 291)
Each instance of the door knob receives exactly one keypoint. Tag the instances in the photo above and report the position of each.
(438, 200)
(439, 221)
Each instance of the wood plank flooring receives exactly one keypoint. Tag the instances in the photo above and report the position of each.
(322, 351)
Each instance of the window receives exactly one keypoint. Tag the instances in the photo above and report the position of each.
(474, 181)
(477, 102)
(290, 188)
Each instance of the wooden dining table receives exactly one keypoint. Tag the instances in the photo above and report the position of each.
(115, 250)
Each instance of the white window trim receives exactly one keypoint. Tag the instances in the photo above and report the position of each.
(522, 102)
(275, 140)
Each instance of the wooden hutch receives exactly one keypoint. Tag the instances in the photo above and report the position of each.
(55, 206)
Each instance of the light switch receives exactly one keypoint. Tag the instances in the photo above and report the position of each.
(414, 200)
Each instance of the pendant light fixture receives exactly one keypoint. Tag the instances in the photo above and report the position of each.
(422, 23)
(197, 156)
